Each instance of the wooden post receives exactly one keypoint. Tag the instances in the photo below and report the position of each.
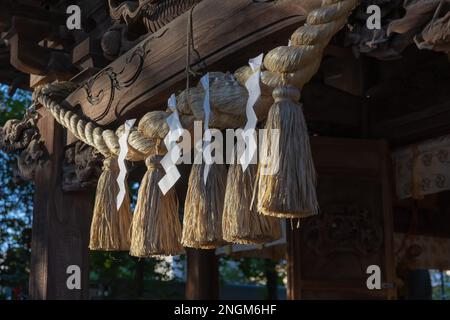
(202, 281)
(293, 262)
(61, 223)
(329, 254)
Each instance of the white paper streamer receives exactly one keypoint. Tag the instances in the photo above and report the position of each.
(254, 92)
(173, 150)
(208, 137)
(123, 143)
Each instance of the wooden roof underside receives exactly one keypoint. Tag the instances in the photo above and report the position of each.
(224, 40)
(353, 94)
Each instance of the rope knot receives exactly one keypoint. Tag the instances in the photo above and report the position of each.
(110, 163)
(286, 93)
(154, 161)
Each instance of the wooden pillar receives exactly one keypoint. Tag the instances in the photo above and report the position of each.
(202, 280)
(329, 254)
(293, 262)
(61, 223)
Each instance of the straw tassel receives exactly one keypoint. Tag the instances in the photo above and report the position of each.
(202, 223)
(290, 190)
(241, 222)
(110, 227)
(156, 227)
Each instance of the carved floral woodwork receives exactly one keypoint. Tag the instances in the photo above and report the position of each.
(152, 14)
(115, 42)
(18, 134)
(346, 227)
(118, 79)
(31, 159)
(431, 22)
(423, 22)
(135, 19)
(23, 136)
(422, 169)
(377, 43)
(348, 234)
(81, 167)
(81, 163)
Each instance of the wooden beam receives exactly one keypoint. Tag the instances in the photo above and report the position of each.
(29, 56)
(142, 79)
(60, 233)
(293, 263)
(37, 12)
(414, 127)
(324, 104)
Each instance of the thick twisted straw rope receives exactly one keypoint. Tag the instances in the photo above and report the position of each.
(105, 141)
(152, 127)
(294, 65)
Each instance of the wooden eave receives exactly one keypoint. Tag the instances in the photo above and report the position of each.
(225, 38)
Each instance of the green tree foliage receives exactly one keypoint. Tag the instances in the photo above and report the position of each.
(256, 271)
(120, 275)
(13, 107)
(15, 207)
(117, 275)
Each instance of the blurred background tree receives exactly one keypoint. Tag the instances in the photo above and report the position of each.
(268, 274)
(16, 206)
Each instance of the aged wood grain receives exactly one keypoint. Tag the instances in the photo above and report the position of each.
(202, 279)
(416, 126)
(329, 260)
(61, 223)
(146, 74)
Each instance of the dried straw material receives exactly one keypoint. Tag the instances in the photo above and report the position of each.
(228, 100)
(319, 34)
(265, 101)
(331, 10)
(290, 59)
(139, 147)
(153, 124)
(289, 192)
(294, 65)
(110, 227)
(156, 227)
(202, 223)
(241, 222)
(297, 79)
(297, 63)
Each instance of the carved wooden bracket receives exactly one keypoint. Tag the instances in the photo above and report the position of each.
(30, 55)
(23, 136)
(31, 159)
(82, 166)
(134, 19)
(424, 22)
(151, 14)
